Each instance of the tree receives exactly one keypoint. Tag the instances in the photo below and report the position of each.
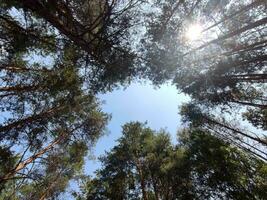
(57, 55)
(200, 166)
(223, 71)
(51, 179)
(100, 31)
(71, 117)
(87, 124)
(51, 106)
(199, 118)
(221, 170)
(226, 66)
(134, 168)
(45, 100)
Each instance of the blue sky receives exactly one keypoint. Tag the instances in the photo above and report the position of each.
(138, 102)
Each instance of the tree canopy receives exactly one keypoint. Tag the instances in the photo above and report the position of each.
(146, 165)
(56, 57)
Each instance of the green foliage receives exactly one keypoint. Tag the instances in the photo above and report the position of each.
(145, 165)
(58, 168)
(6, 158)
(56, 56)
(7, 161)
(223, 69)
(257, 117)
(222, 169)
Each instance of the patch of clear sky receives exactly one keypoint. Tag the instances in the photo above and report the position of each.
(159, 107)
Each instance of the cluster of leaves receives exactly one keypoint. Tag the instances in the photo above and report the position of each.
(146, 165)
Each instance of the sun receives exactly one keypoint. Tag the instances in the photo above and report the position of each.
(193, 32)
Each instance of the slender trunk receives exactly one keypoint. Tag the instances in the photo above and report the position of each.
(248, 77)
(51, 185)
(255, 24)
(7, 95)
(154, 183)
(251, 79)
(67, 25)
(255, 59)
(25, 163)
(212, 121)
(142, 180)
(45, 194)
(168, 192)
(239, 49)
(63, 20)
(19, 69)
(245, 8)
(28, 120)
(261, 106)
(19, 88)
(248, 149)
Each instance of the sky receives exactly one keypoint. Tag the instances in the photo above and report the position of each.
(138, 102)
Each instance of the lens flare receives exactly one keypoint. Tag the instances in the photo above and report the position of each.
(193, 32)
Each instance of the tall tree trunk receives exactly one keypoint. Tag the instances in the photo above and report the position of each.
(51, 185)
(142, 180)
(240, 48)
(248, 77)
(155, 187)
(13, 68)
(31, 159)
(257, 152)
(255, 24)
(261, 106)
(245, 8)
(65, 22)
(67, 26)
(30, 119)
(19, 88)
(212, 121)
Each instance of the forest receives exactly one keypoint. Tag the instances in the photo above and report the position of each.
(57, 57)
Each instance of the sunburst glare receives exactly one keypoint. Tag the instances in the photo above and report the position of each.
(193, 32)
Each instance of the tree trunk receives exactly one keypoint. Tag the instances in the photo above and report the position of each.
(156, 192)
(249, 77)
(261, 106)
(241, 48)
(67, 25)
(255, 24)
(245, 8)
(31, 159)
(248, 149)
(209, 120)
(19, 88)
(51, 185)
(65, 22)
(28, 120)
(142, 181)
(14, 68)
